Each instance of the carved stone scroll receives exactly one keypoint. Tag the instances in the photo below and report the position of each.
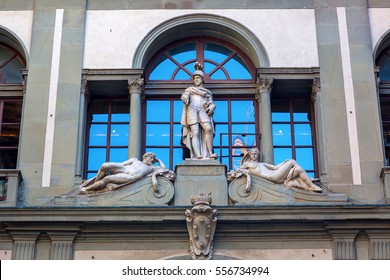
(201, 223)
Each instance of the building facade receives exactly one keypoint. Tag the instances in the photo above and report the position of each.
(84, 82)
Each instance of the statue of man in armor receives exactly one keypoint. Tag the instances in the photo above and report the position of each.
(197, 118)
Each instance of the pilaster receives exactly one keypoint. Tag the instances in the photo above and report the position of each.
(379, 244)
(24, 245)
(61, 245)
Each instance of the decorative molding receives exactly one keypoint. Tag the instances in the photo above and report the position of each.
(201, 223)
(137, 86)
(24, 244)
(263, 86)
(379, 243)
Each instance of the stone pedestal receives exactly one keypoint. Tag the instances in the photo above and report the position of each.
(196, 176)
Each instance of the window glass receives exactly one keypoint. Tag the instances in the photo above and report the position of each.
(216, 52)
(218, 75)
(302, 134)
(119, 135)
(177, 156)
(157, 135)
(243, 111)
(8, 158)
(96, 156)
(120, 111)
(182, 75)
(183, 52)
(384, 63)
(177, 110)
(118, 154)
(281, 134)
(99, 111)
(12, 112)
(177, 134)
(305, 158)
(158, 111)
(221, 111)
(237, 69)
(163, 70)
(162, 154)
(9, 135)
(221, 128)
(98, 135)
(11, 64)
(281, 154)
(245, 131)
(221, 61)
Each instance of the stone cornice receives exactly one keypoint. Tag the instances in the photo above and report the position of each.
(359, 213)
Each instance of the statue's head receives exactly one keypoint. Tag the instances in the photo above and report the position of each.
(254, 154)
(149, 158)
(198, 75)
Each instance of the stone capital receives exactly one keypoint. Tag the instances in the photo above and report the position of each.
(315, 89)
(263, 86)
(136, 86)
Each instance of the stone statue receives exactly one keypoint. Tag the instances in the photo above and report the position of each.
(197, 121)
(289, 172)
(113, 175)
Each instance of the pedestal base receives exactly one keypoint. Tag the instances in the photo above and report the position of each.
(196, 176)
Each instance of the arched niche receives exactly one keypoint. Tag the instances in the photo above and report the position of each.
(205, 25)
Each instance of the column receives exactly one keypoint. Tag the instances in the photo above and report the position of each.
(263, 96)
(317, 101)
(84, 99)
(136, 92)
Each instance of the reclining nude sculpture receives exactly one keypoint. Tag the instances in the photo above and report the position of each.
(114, 175)
(288, 173)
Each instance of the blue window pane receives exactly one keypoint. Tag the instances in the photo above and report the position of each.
(302, 134)
(216, 52)
(281, 154)
(237, 69)
(12, 71)
(177, 110)
(243, 111)
(301, 117)
(280, 117)
(243, 129)
(162, 154)
(158, 111)
(305, 158)
(182, 75)
(91, 175)
(190, 66)
(98, 135)
(221, 128)
(96, 157)
(183, 52)
(221, 111)
(281, 134)
(99, 111)
(177, 134)
(208, 67)
(120, 111)
(280, 111)
(157, 134)
(118, 154)
(177, 156)
(218, 75)
(119, 135)
(164, 70)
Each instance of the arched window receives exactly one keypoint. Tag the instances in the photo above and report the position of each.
(11, 65)
(221, 60)
(170, 71)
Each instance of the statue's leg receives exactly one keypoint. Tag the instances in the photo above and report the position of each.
(109, 167)
(195, 140)
(208, 138)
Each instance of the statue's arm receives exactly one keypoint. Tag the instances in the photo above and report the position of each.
(159, 161)
(185, 97)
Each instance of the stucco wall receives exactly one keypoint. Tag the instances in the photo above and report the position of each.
(289, 36)
(379, 24)
(19, 23)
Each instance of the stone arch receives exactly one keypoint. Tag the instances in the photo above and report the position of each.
(10, 38)
(204, 24)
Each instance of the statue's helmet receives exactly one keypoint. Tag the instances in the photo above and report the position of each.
(198, 70)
